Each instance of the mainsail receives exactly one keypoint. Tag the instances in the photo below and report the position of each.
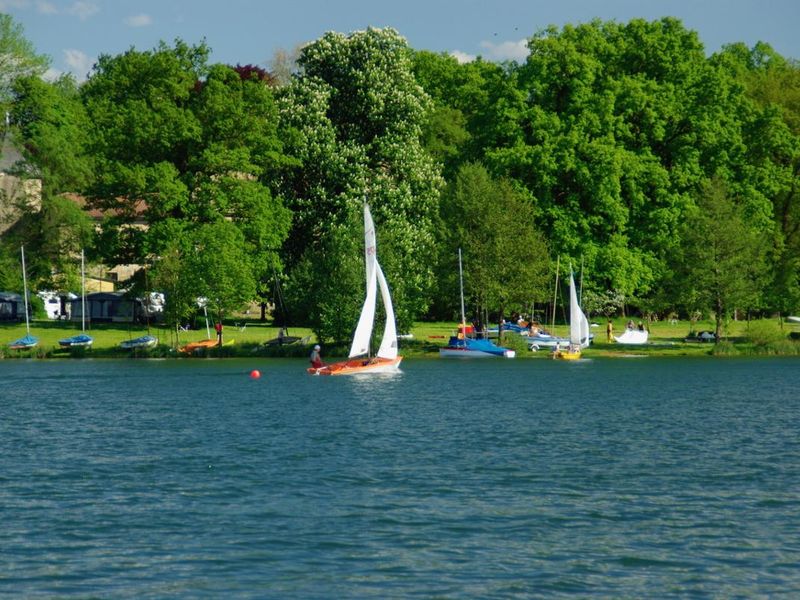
(375, 277)
(578, 324)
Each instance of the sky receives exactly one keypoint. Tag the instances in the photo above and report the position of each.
(73, 33)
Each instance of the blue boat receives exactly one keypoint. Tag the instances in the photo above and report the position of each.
(461, 346)
(24, 343)
(464, 347)
(81, 339)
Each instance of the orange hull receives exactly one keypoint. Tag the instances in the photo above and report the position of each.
(357, 366)
(192, 346)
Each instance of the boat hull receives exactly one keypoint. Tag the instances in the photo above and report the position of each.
(537, 342)
(359, 367)
(460, 352)
(194, 346)
(566, 355)
(460, 347)
(632, 337)
(147, 341)
(25, 343)
(76, 341)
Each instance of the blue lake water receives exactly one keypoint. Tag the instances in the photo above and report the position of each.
(479, 479)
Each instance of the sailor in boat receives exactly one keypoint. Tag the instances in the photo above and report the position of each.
(315, 358)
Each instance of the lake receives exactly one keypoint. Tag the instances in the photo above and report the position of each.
(636, 477)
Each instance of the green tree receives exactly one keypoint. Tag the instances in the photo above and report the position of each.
(477, 106)
(721, 264)
(184, 146)
(18, 57)
(220, 268)
(505, 257)
(622, 123)
(353, 118)
(52, 131)
(772, 167)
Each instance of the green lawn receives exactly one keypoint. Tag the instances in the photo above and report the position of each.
(246, 338)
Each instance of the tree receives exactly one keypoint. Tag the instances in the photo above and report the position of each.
(772, 167)
(52, 131)
(721, 264)
(505, 257)
(620, 126)
(18, 57)
(220, 268)
(185, 146)
(477, 106)
(353, 118)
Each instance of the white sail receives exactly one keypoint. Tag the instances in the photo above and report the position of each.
(584, 331)
(370, 246)
(388, 347)
(575, 315)
(360, 345)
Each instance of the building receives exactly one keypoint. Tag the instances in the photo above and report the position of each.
(12, 307)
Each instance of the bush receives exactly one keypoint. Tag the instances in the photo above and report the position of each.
(764, 333)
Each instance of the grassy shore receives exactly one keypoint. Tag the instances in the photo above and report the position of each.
(247, 338)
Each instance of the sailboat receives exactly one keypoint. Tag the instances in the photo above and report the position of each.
(359, 361)
(578, 327)
(461, 346)
(82, 339)
(28, 341)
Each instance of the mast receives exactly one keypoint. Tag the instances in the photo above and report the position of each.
(83, 293)
(555, 296)
(25, 290)
(461, 285)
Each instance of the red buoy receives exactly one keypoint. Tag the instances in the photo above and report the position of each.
(255, 374)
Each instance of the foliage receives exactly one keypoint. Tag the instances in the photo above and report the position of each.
(52, 130)
(504, 255)
(720, 266)
(220, 268)
(18, 57)
(599, 148)
(353, 118)
(604, 303)
(186, 146)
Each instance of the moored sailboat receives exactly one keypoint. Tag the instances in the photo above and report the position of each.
(578, 327)
(461, 346)
(359, 361)
(81, 339)
(28, 341)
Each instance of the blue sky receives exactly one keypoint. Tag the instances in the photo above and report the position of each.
(74, 32)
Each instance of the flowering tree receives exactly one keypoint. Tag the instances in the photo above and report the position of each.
(353, 118)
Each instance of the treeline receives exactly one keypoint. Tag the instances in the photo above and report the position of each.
(670, 178)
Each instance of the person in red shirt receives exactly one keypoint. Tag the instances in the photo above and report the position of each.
(315, 358)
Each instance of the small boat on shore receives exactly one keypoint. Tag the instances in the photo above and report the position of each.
(145, 341)
(28, 341)
(76, 341)
(199, 345)
(82, 339)
(632, 337)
